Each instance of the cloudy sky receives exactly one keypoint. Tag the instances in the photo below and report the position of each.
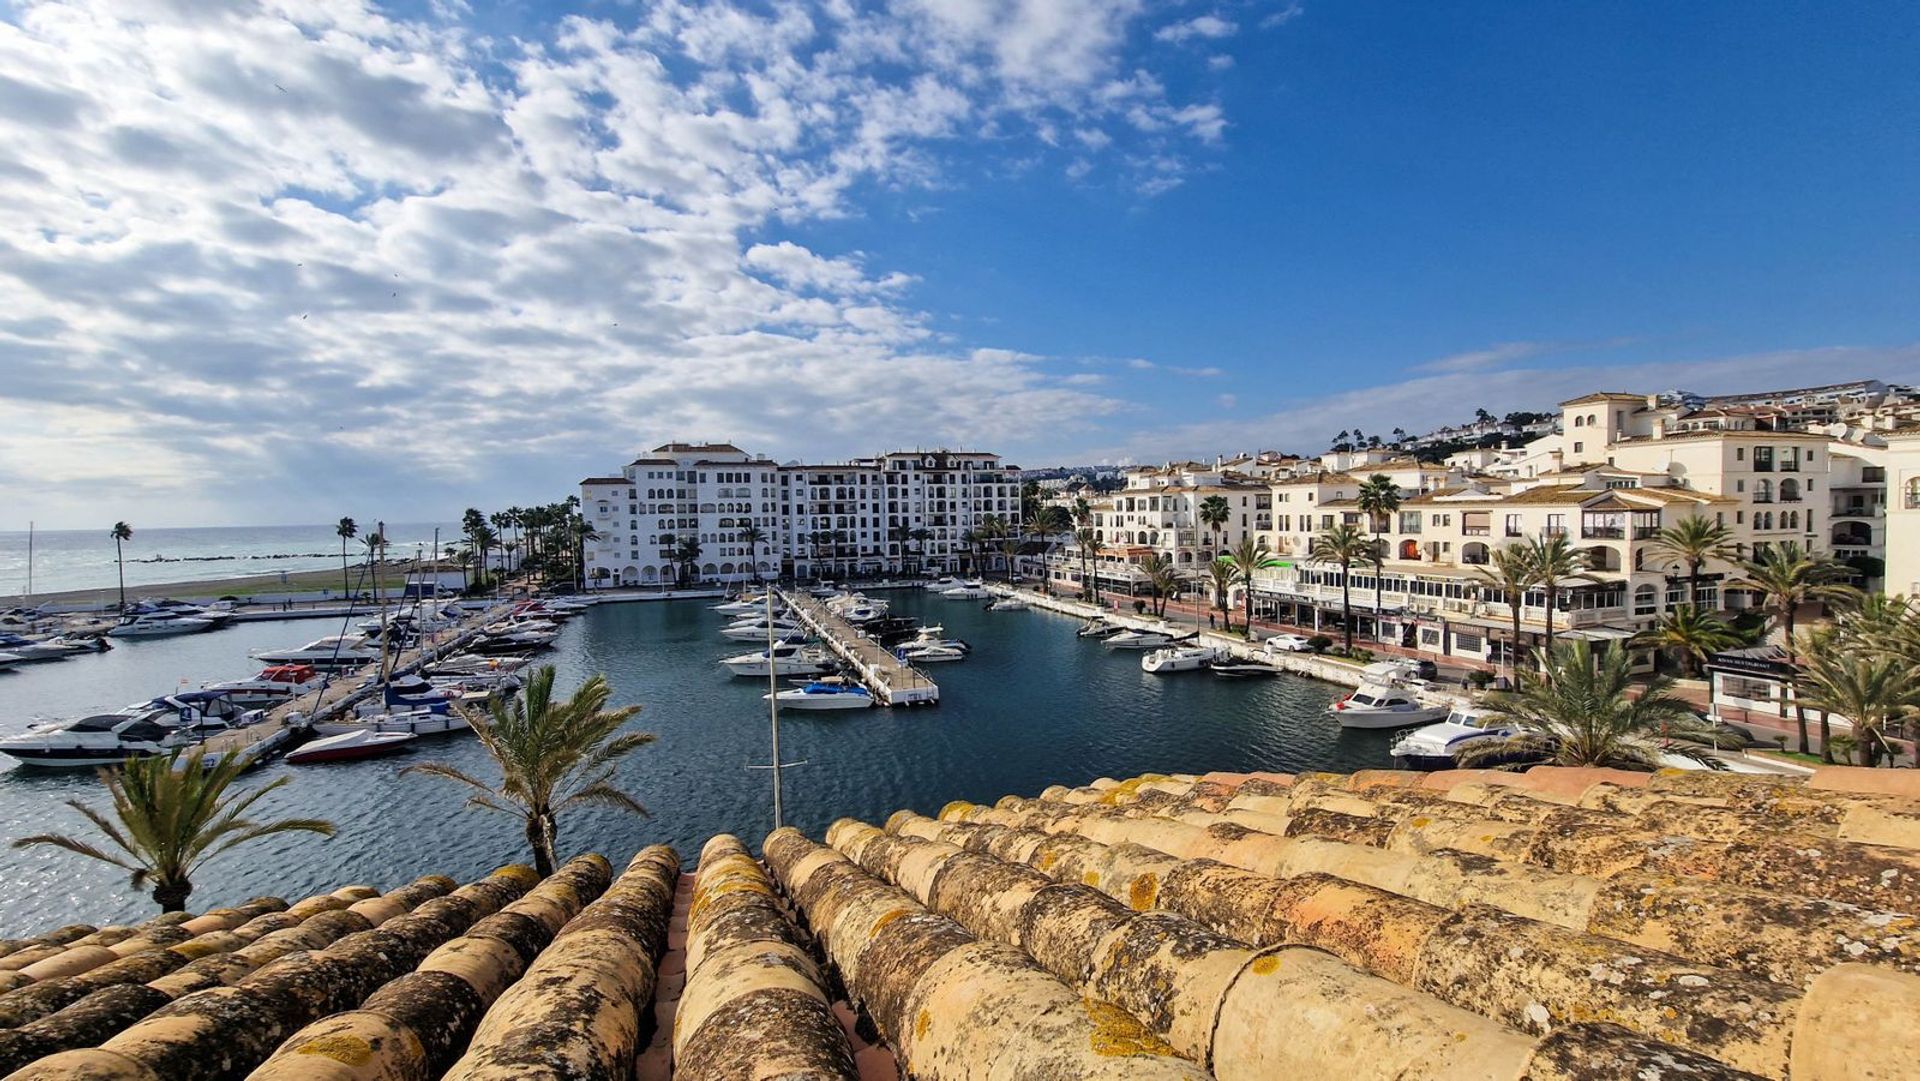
(280, 261)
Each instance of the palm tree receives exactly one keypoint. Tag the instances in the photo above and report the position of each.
(1510, 570)
(346, 531)
(1690, 634)
(1871, 690)
(687, 554)
(121, 532)
(1554, 561)
(1578, 713)
(1220, 574)
(1344, 546)
(1788, 578)
(376, 543)
(583, 534)
(1010, 546)
(1088, 538)
(1047, 522)
(1692, 541)
(1249, 556)
(1215, 512)
(167, 822)
(920, 537)
(1378, 499)
(552, 756)
(1162, 579)
(754, 536)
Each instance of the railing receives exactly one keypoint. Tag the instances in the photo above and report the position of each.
(1645, 532)
(1858, 512)
(1603, 532)
(1474, 531)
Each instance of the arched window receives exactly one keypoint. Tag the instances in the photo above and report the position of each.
(1409, 549)
(1474, 553)
(1645, 600)
(1579, 422)
(1789, 490)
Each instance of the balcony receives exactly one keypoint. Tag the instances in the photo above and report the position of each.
(1474, 531)
(1857, 512)
(1603, 532)
(1645, 532)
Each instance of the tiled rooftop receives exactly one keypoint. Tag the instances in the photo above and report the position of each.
(1556, 924)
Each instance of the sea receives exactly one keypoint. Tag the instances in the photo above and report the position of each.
(69, 559)
(1033, 706)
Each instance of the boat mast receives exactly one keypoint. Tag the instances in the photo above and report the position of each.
(773, 710)
(29, 559)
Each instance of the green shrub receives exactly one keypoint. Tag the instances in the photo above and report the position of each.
(1319, 643)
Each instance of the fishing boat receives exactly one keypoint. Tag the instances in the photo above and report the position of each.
(823, 695)
(1382, 706)
(351, 746)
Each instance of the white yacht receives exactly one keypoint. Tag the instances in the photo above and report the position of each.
(971, 590)
(823, 695)
(1132, 639)
(1179, 659)
(418, 722)
(744, 606)
(1437, 746)
(755, 630)
(787, 660)
(161, 624)
(333, 651)
(142, 730)
(934, 653)
(1377, 705)
(1008, 603)
(42, 649)
(932, 636)
(941, 584)
(272, 686)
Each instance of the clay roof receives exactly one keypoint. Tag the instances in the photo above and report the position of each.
(1553, 494)
(1319, 478)
(605, 480)
(1605, 396)
(1554, 924)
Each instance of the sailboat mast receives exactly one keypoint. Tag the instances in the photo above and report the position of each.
(29, 559)
(773, 711)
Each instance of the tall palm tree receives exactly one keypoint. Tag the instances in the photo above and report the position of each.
(1048, 521)
(1342, 545)
(1010, 546)
(121, 532)
(1250, 556)
(552, 756)
(920, 537)
(1787, 578)
(1378, 499)
(755, 537)
(346, 531)
(1554, 561)
(1220, 575)
(1162, 579)
(376, 543)
(1689, 634)
(687, 554)
(1088, 539)
(1510, 570)
(167, 822)
(1692, 541)
(584, 533)
(1578, 713)
(1215, 513)
(1871, 690)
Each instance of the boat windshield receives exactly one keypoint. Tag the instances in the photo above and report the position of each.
(1365, 699)
(101, 723)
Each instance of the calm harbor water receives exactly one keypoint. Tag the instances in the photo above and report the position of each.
(1033, 706)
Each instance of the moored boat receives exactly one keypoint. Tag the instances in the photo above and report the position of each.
(1178, 659)
(351, 746)
(1380, 706)
(1127, 638)
(272, 685)
(787, 660)
(418, 722)
(1438, 745)
(1234, 669)
(823, 695)
(164, 624)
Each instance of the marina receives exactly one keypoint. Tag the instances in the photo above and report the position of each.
(891, 680)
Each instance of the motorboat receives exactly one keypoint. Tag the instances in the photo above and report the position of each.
(931, 654)
(419, 722)
(967, 591)
(755, 630)
(744, 606)
(219, 614)
(862, 613)
(1438, 745)
(521, 625)
(787, 660)
(474, 664)
(333, 651)
(29, 650)
(1098, 629)
(8, 660)
(272, 686)
(1178, 659)
(890, 631)
(1008, 603)
(823, 694)
(1128, 638)
(846, 601)
(1234, 669)
(931, 636)
(143, 730)
(164, 624)
(351, 746)
(1381, 706)
(941, 584)
(515, 642)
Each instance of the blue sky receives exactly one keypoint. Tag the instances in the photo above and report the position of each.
(275, 259)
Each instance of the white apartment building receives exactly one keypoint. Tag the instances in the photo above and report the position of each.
(900, 512)
(1158, 512)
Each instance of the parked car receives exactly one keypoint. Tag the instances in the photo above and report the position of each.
(1289, 643)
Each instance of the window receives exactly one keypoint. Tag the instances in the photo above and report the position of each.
(1471, 643)
(1763, 459)
(1579, 447)
(1739, 454)
(1409, 521)
(1763, 491)
(1556, 525)
(1645, 601)
(1513, 525)
(1476, 523)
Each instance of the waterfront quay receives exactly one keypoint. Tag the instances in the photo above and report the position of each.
(892, 681)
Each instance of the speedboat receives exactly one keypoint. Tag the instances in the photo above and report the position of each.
(333, 651)
(351, 746)
(755, 630)
(219, 614)
(941, 584)
(8, 660)
(1098, 629)
(142, 730)
(823, 694)
(1438, 745)
(1231, 669)
(474, 664)
(163, 624)
(1380, 706)
(1178, 659)
(419, 722)
(1008, 603)
(521, 625)
(787, 660)
(932, 654)
(514, 642)
(931, 636)
(744, 605)
(1128, 638)
(48, 649)
(967, 591)
(857, 614)
(272, 686)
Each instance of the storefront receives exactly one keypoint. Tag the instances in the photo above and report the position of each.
(1743, 682)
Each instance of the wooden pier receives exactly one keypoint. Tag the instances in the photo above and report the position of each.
(892, 681)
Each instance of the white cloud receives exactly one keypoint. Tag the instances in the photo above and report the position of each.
(265, 257)
(1219, 62)
(1209, 27)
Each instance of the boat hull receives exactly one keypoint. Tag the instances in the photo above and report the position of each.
(1382, 720)
(350, 747)
(425, 724)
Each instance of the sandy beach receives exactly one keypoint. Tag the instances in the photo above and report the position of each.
(210, 589)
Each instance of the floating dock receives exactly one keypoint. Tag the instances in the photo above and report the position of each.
(891, 681)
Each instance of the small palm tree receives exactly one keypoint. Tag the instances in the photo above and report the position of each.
(754, 537)
(1220, 575)
(920, 537)
(346, 531)
(1088, 539)
(1692, 541)
(552, 756)
(1871, 690)
(1510, 571)
(1249, 557)
(167, 822)
(1554, 561)
(1215, 512)
(1162, 579)
(376, 543)
(1342, 545)
(1788, 578)
(1689, 634)
(1009, 547)
(1378, 498)
(583, 534)
(1579, 713)
(121, 532)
